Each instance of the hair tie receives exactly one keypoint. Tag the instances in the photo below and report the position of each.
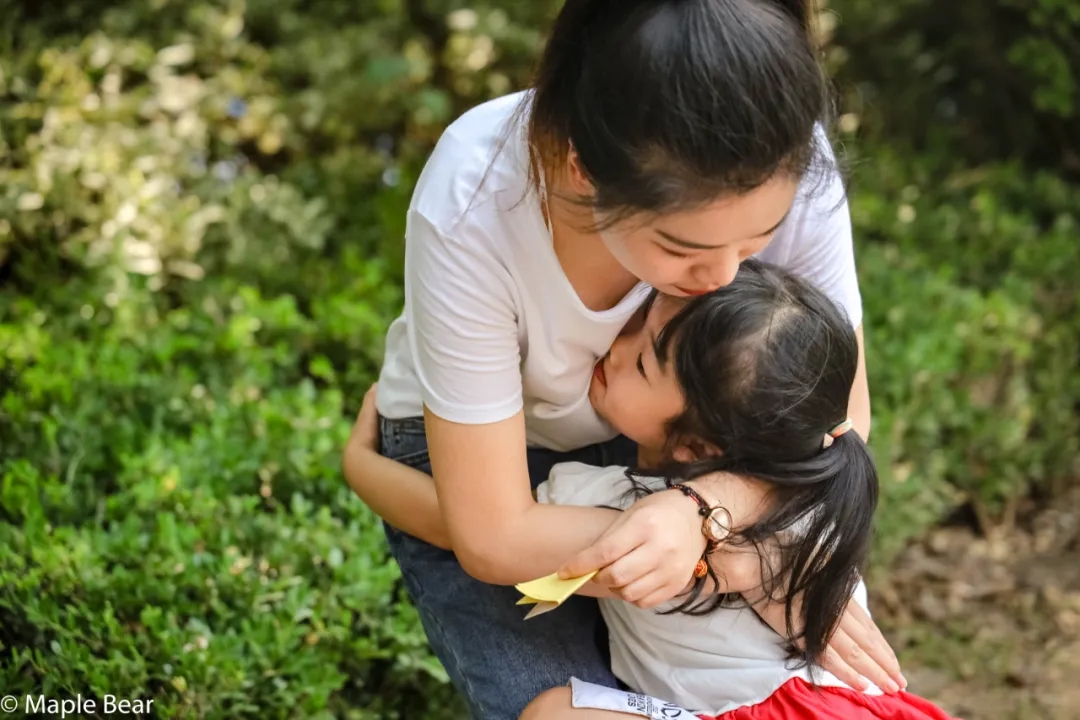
(840, 429)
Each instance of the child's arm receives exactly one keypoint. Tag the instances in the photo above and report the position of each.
(397, 493)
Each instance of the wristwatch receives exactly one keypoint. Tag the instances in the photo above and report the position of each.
(716, 520)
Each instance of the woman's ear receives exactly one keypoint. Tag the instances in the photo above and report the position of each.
(691, 450)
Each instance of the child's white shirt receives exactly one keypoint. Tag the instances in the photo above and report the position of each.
(710, 663)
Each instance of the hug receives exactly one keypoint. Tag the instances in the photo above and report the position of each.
(632, 343)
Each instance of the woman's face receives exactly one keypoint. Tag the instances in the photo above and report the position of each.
(694, 252)
(631, 388)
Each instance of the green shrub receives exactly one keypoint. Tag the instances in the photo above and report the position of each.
(171, 140)
(968, 80)
(974, 335)
(175, 526)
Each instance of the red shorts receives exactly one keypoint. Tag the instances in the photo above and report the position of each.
(799, 700)
(794, 700)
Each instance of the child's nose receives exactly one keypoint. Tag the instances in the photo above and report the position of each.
(618, 350)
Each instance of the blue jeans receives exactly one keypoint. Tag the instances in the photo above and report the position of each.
(495, 659)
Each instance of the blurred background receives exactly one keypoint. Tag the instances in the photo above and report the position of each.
(202, 207)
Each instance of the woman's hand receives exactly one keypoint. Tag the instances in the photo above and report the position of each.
(365, 431)
(648, 555)
(857, 652)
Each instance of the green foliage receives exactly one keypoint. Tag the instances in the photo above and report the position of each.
(175, 526)
(973, 333)
(201, 213)
(970, 79)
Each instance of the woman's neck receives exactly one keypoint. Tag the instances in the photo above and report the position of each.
(599, 280)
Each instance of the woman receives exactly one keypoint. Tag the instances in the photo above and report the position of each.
(664, 142)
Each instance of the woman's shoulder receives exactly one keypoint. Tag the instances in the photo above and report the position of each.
(479, 156)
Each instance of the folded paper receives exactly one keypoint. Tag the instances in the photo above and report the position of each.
(549, 592)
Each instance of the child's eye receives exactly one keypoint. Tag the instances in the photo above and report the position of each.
(641, 366)
(673, 253)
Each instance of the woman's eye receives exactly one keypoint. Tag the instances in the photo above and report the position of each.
(640, 366)
(673, 253)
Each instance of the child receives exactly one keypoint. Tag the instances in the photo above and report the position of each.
(752, 379)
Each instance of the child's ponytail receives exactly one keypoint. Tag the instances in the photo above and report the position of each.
(823, 553)
(814, 540)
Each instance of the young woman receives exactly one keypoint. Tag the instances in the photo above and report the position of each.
(664, 142)
(752, 379)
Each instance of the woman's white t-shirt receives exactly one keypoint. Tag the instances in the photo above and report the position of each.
(491, 324)
(711, 663)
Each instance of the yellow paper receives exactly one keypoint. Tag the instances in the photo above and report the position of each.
(549, 592)
(552, 588)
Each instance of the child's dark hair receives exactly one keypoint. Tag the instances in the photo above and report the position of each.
(672, 104)
(766, 365)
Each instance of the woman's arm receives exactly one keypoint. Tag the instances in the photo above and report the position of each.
(859, 401)
(408, 500)
(499, 532)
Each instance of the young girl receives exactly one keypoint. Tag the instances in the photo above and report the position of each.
(662, 143)
(753, 380)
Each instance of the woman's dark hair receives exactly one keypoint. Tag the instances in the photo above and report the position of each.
(671, 104)
(766, 365)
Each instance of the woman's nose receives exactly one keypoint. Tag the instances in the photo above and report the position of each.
(717, 274)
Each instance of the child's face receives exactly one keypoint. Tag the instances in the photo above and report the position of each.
(629, 388)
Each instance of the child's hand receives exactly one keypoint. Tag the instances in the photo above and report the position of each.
(365, 432)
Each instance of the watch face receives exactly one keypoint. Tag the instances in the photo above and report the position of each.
(717, 524)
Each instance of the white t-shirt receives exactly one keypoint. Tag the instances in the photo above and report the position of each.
(709, 664)
(491, 324)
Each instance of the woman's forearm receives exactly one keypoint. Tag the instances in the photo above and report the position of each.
(536, 543)
(532, 544)
(397, 493)
(499, 533)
